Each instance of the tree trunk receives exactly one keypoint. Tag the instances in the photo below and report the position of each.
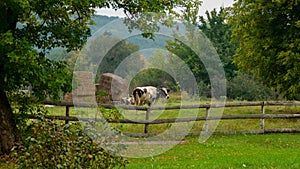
(9, 134)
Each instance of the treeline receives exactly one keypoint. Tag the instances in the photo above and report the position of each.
(258, 44)
(240, 85)
(125, 60)
(246, 79)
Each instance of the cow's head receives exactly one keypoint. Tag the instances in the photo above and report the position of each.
(163, 93)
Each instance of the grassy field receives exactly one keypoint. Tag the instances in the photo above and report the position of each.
(219, 151)
(229, 151)
(224, 151)
(270, 151)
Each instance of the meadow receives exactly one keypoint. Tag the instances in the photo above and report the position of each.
(269, 151)
(223, 150)
(220, 150)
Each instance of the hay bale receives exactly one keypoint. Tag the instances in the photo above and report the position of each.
(84, 89)
(114, 86)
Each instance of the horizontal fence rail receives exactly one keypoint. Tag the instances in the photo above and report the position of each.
(206, 118)
(192, 106)
(174, 120)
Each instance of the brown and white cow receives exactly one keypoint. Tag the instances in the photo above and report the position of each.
(149, 95)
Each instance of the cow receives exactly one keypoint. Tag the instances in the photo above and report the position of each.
(149, 95)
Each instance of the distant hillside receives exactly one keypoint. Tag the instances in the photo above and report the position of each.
(142, 42)
(100, 21)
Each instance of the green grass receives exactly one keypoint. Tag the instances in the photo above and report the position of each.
(219, 151)
(270, 151)
(229, 151)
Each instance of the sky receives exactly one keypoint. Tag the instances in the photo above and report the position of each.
(206, 5)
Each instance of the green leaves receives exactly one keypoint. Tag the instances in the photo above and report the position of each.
(64, 146)
(268, 34)
(47, 78)
(218, 32)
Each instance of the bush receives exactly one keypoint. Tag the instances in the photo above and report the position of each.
(49, 145)
(63, 146)
(246, 87)
(23, 105)
(153, 77)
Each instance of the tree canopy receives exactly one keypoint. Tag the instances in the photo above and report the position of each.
(217, 30)
(269, 39)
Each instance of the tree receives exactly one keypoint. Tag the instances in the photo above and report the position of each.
(199, 54)
(269, 46)
(29, 28)
(217, 30)
(156, 72)
(116, 55)
(191, 59)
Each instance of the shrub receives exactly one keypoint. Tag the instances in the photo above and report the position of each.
(63, 146)
(245, 87)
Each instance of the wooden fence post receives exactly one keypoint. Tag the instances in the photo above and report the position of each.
(206, 121)
(67, 113)
(147, 118)
(263, 113)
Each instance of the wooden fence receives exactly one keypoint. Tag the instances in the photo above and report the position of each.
(262, 116)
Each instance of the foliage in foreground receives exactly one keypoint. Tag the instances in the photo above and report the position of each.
(63, 146)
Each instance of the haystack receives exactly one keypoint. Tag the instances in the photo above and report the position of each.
(83, 88)
(113, 86)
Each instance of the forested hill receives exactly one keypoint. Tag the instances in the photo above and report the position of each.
(100, 21)
(140, 41)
